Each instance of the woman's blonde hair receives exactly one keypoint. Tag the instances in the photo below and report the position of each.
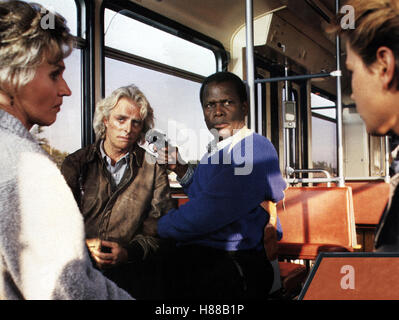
(25, 41)
(104, 107)
(376, 25)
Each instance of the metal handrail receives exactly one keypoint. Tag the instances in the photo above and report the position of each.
(298, 77)
(313, 180)
(291, 171)
(376, 178)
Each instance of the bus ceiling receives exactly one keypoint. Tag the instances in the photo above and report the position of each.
(275, 21)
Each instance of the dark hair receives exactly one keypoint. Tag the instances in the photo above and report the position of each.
(376, 25)
(225, 76)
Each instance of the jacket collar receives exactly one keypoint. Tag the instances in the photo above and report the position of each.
(136, 158)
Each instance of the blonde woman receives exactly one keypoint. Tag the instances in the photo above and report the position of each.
(42, 248)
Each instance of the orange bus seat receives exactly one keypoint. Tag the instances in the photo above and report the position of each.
(316, 219)
(292, 275)
(369, 200)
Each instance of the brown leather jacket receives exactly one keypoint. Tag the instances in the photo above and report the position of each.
(117, 213)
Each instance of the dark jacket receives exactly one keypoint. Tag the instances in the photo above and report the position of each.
(117, 213)
(387, 232)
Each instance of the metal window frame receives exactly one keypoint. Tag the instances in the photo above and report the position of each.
(158, 21)
(85, 14)
(84, 44)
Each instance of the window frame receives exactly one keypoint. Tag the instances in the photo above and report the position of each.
(330, 97)
(86, 16)
(84, 45)
(160, 22)
(325, 95)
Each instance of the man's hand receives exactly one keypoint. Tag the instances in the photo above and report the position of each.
(171, 157)
(168, 155)
(117, 255)
(93, 243)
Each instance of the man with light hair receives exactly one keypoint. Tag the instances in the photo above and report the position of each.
(119, 191)
(373, 59)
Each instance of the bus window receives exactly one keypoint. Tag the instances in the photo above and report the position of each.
(324, 133)
(175, 101)
(169, 71)
(65, 135)
(68, 10)
(134, 37)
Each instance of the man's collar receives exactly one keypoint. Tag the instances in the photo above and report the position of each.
(242, 133)
(107, 158)
(135, 150)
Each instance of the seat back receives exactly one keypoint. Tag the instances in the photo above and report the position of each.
(316, 218)
(369, 200)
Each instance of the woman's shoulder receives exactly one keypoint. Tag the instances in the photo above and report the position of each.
(12, 148)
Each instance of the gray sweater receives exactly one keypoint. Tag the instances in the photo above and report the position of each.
(42, 244)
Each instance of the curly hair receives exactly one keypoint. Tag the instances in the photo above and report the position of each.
(376, 25)
(25, 43)
(104, 107)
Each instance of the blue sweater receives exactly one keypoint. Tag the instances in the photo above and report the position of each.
(225, 193)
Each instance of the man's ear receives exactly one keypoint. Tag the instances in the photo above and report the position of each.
(245, 108)
(386, 66)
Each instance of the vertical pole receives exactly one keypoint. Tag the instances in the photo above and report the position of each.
(260, 111)
(341, 181)
(89, 76)
(250, 60)
(287, 142)
(387, 151)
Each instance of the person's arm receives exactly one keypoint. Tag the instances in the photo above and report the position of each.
(225, 196)
(222, 201)
(54, 262)
(187, 178)
(161, 202)
(71, 172)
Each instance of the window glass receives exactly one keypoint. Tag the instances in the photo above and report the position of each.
(176, 104)
(324, 135)
(323, 106)
(324, 145)
(66, 8)
(134, 37)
